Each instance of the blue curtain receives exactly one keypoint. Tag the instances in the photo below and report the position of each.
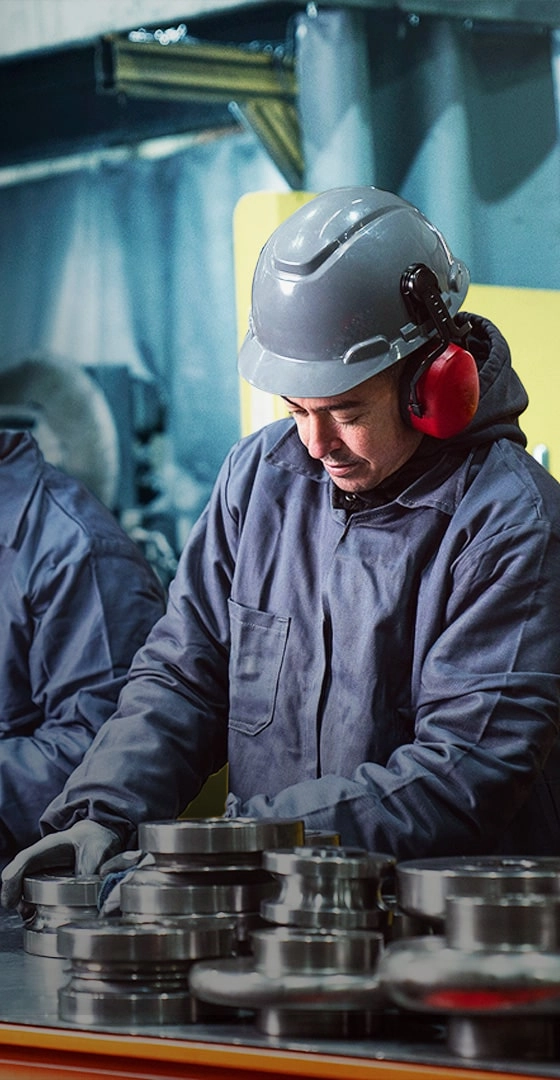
(459, 116)
(131, 263)
(128, 262)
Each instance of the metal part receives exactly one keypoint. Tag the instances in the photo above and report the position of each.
(326, 887)
(126, 973)
(152, 893)
(423, 885)
(509, 922)
(316, 973)
(204, 867)
(406, 1045)
(188, 843)
(299, 982)
(261, 83)
(51, 900)
(499, 960)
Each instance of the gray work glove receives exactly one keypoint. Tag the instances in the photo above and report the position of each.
(83, 847)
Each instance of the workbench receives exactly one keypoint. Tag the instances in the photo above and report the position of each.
(36, 1045)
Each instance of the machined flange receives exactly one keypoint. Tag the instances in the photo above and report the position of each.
(136, 973)
(328, 888)
(148, 893)
(495, 974)
(238, 843)
(49, 901)
(423, 885)
(300, 981)
(205, 866)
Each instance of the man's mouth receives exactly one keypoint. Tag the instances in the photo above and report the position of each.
(339, 468)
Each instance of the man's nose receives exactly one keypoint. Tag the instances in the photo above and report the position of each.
(322, 436)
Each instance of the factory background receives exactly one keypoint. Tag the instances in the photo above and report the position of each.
(148, 148)
(131, 131)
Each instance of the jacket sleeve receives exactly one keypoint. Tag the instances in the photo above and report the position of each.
(65, 663)
(486, 716)
(170, 730)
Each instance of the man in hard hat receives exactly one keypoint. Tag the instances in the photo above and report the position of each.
(365, 621)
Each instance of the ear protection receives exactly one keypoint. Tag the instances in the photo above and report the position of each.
(441, 392)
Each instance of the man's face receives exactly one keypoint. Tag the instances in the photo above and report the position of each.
(359, 436)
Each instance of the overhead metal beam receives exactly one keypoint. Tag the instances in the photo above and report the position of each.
(200, 71)
(259, 85)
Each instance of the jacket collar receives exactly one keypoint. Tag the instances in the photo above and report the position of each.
(441, 485)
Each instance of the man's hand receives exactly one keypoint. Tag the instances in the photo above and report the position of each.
(83, 847)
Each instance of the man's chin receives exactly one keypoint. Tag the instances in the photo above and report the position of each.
(351, 485)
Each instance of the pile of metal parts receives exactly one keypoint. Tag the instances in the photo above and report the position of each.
(492, 967)
(241, 918)
(313, 969)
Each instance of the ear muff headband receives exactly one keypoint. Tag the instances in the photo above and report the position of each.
(442, 390)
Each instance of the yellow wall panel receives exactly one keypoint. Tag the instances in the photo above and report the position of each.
(526, 317)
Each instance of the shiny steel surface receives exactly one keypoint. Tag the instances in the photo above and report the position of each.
(328, 862)
(509, 922)
(153, 892)
(114, 941)
(50, 900)
(423, 885)
(91, 1005)
(326, 887)
(136, 973)
(499, 960)
(342, 1024)
(401, 1044)
(281, 951)
(297, 978)
(425, 974)
(335, 973)
(62, 889)
(177, 844)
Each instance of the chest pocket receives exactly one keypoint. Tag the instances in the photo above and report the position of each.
(258, 644)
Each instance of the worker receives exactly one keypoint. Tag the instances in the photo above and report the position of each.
(78, 599)
(365, 619)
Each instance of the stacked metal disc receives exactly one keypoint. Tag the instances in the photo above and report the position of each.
(206, 867)
(493, 969)
(197, 899)
(313, 970)
(423, 885)
(49, 901)
(136, 974)
(326, 888)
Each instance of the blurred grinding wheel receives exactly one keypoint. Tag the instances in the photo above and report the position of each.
(69, 416)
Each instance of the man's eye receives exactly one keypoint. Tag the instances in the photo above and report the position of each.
(347, 421)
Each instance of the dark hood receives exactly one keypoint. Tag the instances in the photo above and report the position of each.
(502, 394)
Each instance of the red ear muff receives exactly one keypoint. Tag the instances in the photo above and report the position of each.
(443, 397)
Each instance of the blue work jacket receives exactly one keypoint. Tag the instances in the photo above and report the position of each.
(393, 674)
(78, 599)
